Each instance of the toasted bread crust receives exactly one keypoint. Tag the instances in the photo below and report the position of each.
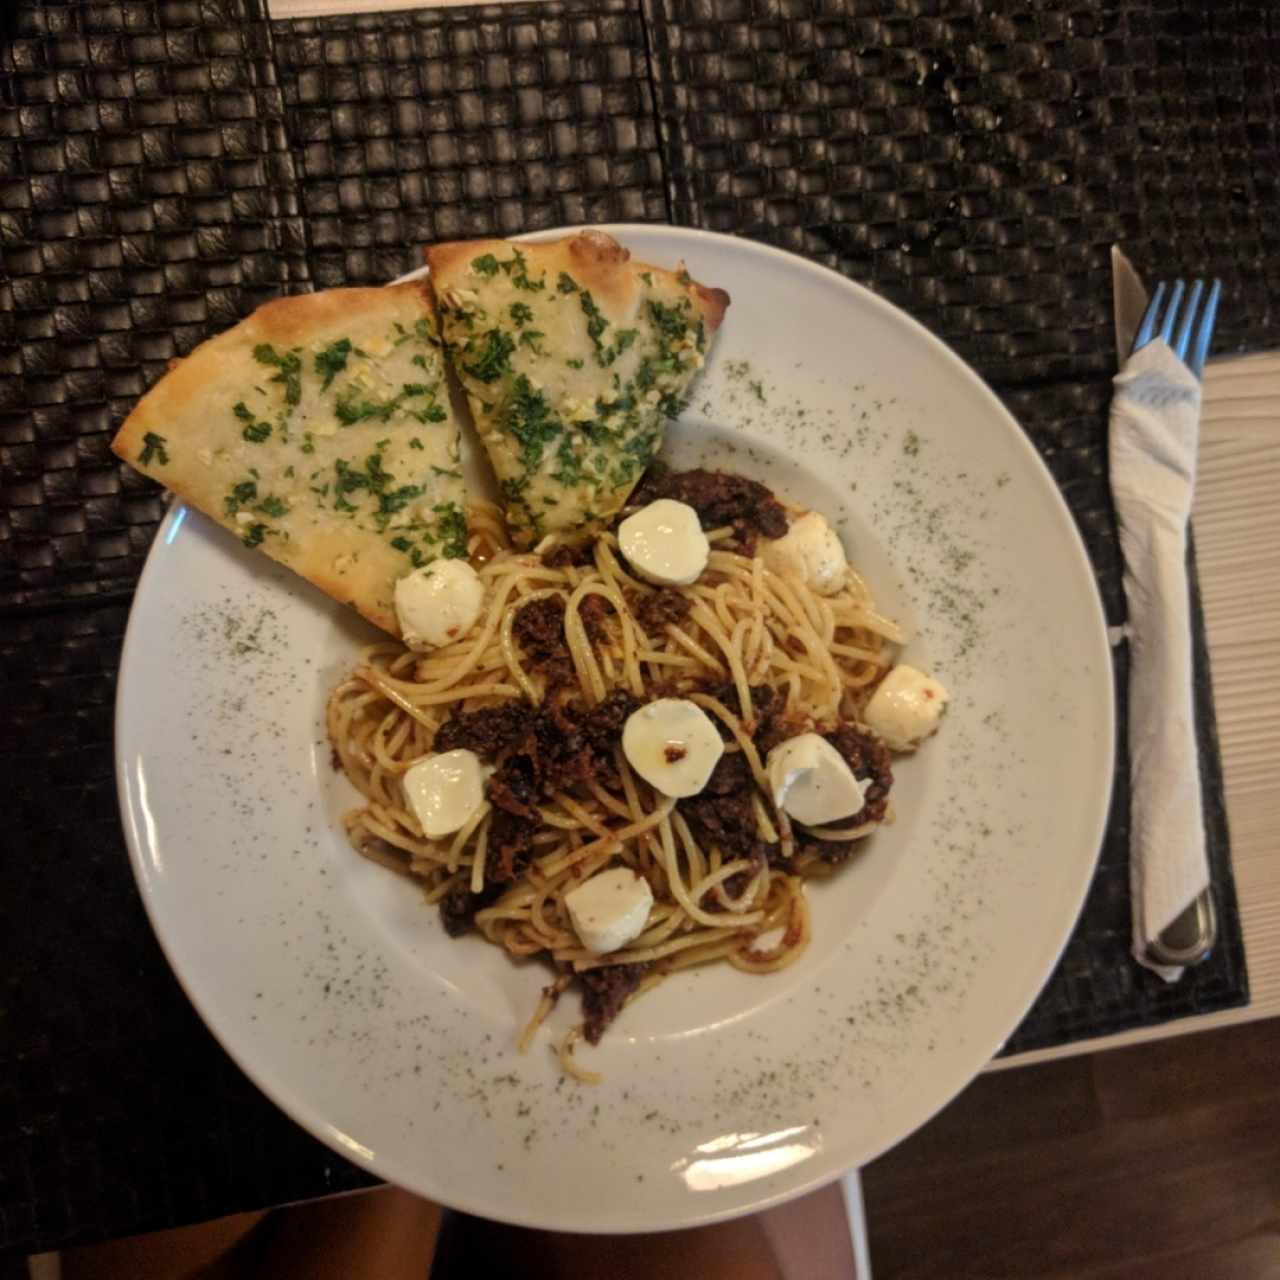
(573, 356)
(206, 452)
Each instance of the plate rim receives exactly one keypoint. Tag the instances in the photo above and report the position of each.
(303, 1113)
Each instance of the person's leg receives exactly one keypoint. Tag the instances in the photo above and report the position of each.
(727, 1251)
(807, 1239)
(157, 1255)
(387, 1234)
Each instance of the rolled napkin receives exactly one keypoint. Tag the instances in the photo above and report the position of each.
(1154, 432)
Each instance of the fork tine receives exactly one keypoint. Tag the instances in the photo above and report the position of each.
(1148, 325)
(1188, 319)
(1171, 314)
(1204, 335)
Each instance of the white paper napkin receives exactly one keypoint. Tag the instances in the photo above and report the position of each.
(1155, 422)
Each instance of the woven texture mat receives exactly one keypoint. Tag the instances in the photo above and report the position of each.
(165, 165)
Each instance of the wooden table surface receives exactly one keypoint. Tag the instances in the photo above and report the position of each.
(1237, 531)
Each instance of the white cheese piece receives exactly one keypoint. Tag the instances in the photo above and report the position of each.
(446, 791)
(906, 708)
(610, 910)
(812, 781)
(438, 604)
(811, 551)
(672, 745)
(664, 543)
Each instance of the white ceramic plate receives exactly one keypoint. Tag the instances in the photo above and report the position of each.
(335, 988)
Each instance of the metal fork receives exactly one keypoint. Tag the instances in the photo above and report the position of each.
(1168, 321)
(1191, 937)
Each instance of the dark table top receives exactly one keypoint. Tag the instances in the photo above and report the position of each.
(166, 165)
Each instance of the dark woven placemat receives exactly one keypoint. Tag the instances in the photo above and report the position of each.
(147, 200)
(445, 124)
(167, 164)
(974, 162)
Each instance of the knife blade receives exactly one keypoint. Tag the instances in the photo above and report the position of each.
(1129, 302)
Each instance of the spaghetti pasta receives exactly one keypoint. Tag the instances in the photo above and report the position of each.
(568, 643)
